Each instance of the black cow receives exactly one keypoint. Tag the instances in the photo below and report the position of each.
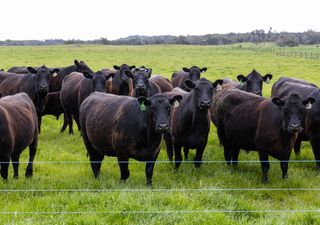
(53, 105)
(35, 84)
(252, 82)
(75, 88)
(19, 129)
(121, 84)
(124, 127)
(311, 122)
(191, 121)
(193, 73)
(56, 82)
(143, 86)
(253, 123)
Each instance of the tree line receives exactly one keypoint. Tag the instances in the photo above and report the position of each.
(290, 39)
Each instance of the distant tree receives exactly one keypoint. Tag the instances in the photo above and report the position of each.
(287, 40)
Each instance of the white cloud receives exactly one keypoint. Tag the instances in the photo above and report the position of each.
(43, 19)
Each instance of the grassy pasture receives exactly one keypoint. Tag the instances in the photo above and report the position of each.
(97, 197)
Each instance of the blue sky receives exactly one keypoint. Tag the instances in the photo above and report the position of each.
(67, 19)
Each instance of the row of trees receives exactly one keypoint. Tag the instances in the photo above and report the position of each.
(256, 36)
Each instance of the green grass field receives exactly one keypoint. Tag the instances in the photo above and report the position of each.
(106, 201)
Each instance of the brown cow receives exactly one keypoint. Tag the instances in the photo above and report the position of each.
(19, 129)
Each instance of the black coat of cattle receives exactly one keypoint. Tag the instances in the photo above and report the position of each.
(35, 84)
(18, 69)
(252, 82)
(75, 88)
(124, 127)
(121, 83)
(19, 129)
(253, 123)
(193, 74)
(53, 105)
(143, 86)
(56, 82)
(311, 123)
(191, 121)
(163, 83)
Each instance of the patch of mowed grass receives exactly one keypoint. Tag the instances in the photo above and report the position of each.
(221, 61)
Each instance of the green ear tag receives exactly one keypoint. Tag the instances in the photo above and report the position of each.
(142, 107)
(241, 82)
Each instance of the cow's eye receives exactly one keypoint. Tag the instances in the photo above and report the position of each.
(285, 110)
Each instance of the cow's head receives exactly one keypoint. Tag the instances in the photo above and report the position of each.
(98, 80)
(81, 66)
(202, 91)
(194, 72)
(44, 75)
(294, 109)
(124, 72)
(141, 82)
(159, 107)
(253, 82)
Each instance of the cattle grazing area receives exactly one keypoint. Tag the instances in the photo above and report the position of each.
(63, 188)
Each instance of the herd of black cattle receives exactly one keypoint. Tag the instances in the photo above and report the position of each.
(125, 112)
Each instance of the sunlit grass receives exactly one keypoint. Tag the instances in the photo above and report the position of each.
(221, 61)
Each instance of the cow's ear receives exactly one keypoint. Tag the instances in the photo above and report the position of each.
(204, 69)
(56, 70)
(143, 101)
(129, 74)
(217, 85)
(267, 78)
(76, 62)
(31, 70)
(2, 70)
(132, 67)
(110, 75)
(185, 69)
(149, 72)
(86, 74)
(116, 67)
(277, 101)
(189, 84)
(175, 99)
(241, 78)
(308, 102)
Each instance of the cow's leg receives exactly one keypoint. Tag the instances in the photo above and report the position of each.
(284, 168)
(264, 160)
(177, 155)
(297, 146)
(65, 123)
(198, 157)
(70, 122)
(15, 164)
(39, 123)
(124, 168)
(149, 170)
(168, 141)
(76, 118)
(4, 163)
(186, 152)
(315, 143)
(235, 155)
(227, 153)
(32, 153)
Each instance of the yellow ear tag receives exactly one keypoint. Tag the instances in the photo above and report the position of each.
(219, 87)
(267, 80)
(142, 107)
(309, 106)
(176, 104)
